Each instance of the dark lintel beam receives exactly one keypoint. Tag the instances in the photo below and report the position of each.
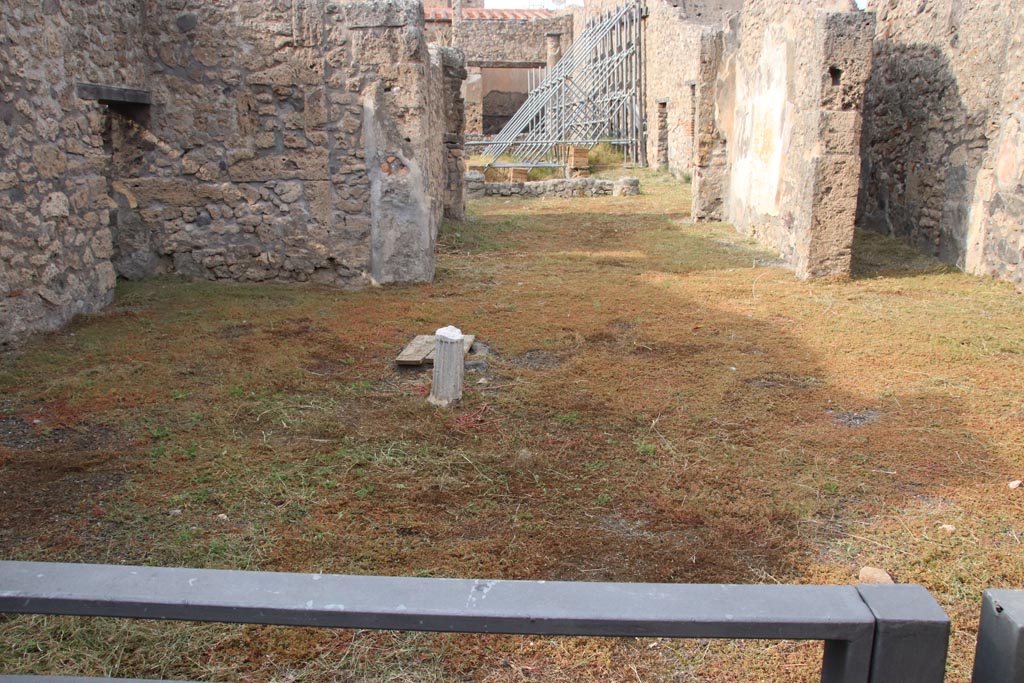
(109, 94)
(500, 64)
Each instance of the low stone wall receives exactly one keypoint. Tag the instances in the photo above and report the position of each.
(566, 188)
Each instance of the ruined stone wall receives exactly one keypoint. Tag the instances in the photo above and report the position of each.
(291, 141)
(287, 140)
(996, 224)
(672, 53)
(710, 155)
(54, 239)
(788, 110)
(938, 106)
(563, 188)
(506, 42)
(712, 12)
(454, 73)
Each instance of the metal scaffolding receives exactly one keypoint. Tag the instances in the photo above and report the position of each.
(593, 94)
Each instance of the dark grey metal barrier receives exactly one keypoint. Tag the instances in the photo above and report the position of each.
(872, 634)
(999, 657)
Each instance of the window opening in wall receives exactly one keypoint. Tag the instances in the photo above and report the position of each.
(693, 119)
(836, 74)
(662, 121)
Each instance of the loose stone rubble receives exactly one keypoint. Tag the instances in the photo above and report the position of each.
(566, 188)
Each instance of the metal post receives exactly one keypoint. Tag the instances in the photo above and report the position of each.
(911, 634)
(999, 657)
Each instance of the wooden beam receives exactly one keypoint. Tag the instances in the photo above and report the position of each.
(501, 64)
(110, 94)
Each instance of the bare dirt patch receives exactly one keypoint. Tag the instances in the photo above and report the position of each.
(50, 475)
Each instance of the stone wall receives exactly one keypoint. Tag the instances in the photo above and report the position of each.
(311, 136)
(939, 115)
(712, 12)
(672, 51)
(55, 243)
(498, 107)
(710, 155)
(454, 65)
(510, 42)
(996, 229)
(287, 140)
(788, 102)
(565, 188)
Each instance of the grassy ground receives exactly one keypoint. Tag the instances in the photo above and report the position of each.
(660, 405)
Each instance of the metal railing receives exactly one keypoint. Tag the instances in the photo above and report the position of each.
(999, 657)
(872, 634)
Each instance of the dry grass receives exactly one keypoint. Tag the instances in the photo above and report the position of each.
(660, 408)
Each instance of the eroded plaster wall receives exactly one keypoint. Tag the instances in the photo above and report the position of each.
(939, 117)
(787, 117)
(55, 243)
(996, 219)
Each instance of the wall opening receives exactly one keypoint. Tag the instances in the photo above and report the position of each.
(661, 156)
(836, 74)
(503, 91)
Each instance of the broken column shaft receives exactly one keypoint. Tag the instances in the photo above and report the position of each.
(448, 368)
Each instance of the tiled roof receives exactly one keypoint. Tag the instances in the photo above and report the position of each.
(471, 13)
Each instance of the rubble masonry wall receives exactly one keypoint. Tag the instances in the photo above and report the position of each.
(55, 242)
(305, 140)
(510, 42)
(942, 148)
(286, 141)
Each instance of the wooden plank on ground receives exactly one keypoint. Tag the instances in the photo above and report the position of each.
(416, 351)
(421, 350)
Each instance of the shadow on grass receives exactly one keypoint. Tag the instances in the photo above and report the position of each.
(876, 255)
(682, 428)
